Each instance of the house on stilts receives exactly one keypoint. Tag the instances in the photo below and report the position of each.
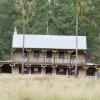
(49, 54)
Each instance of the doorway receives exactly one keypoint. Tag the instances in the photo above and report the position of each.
(90, 71)
(71, 71)
(25, 70)
(61, 71)
(48, 70)
(6, 68)
(35, 70)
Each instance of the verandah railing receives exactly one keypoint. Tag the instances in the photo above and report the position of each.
(42, 60)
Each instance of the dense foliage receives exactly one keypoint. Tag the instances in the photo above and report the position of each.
(55, 17)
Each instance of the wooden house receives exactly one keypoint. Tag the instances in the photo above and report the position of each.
(49, 54)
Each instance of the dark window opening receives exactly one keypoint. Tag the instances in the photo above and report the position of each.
(6, 68)
(61, 71)
(25, 70)
(49, 54)
(36, 54)
(48, 70)
(73, 55)
(61, 54)
(35, 70)
(71, 71)
(90, 71)
(25, 53)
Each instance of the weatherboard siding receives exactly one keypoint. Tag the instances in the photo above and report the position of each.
(18, 57)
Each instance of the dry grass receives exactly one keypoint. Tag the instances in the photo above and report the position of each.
(30, 87)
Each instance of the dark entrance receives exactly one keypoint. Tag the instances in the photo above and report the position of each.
(48, 70)
(90, 71)
(71, 71)
(35, 70)
(6, 68)
(25, 70)
(61, 71)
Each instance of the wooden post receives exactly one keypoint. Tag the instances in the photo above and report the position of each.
(69, 51)
(85, 67)
(0, 67)
(66, 71)
(12, 65)
(28, 66)
(43, 69)
(97, 71)
(54, 69)
(54, 52)
(12, 57)
(44, 51)
(28, 51)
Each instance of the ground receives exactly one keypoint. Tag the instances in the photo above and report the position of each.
(38, 87)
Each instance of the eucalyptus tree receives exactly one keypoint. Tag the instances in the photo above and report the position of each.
(82, 6)
(78, 14)
(27, 9)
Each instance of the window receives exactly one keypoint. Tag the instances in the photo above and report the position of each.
(48, 70)
(61, 70)
(35, 70)
(61, 54)
(25, 53)
(49, 54)
(71, 71)
(6, 68)
(25, 70)
(36, 54)
(90, 71)
(73, 55)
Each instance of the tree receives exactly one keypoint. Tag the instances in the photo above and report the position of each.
(61, 20)
(6, 27)
(27, 11)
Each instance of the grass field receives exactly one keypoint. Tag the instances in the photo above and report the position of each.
(30, 87)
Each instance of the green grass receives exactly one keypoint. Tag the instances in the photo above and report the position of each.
(38, 87)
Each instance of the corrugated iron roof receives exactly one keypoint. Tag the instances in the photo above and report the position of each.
(49, 41)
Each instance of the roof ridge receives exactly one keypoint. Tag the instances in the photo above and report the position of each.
(50, 35)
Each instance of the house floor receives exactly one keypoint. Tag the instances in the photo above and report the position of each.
(58, 70)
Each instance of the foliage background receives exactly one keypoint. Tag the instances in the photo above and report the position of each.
(60, 15)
